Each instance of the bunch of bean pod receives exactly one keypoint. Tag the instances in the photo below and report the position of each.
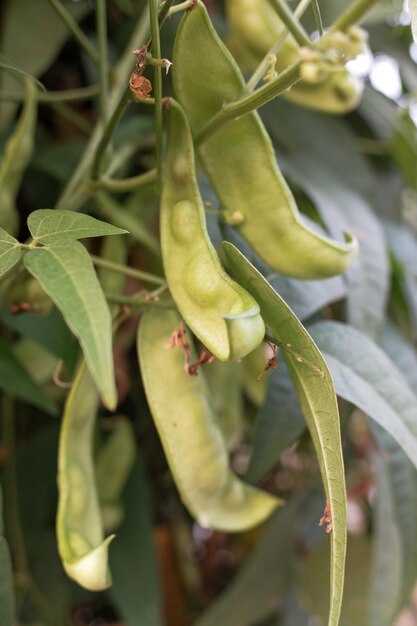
(326, 84)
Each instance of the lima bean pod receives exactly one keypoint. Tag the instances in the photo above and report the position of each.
(255, 28)
(81, 543)
(114, 463)
(240, 161)
(193, 443)
(219, 312)
(17, 154)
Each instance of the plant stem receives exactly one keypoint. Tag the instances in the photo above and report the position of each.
(354, 14)
(12, 516)
(127, 271)
(317, 16)
(76, 190)
(103, 63)
(72, 26)
(183, 6)
(108, 132)
(251, 102)
(264, 64)
(83, 93)
(139, 301)
(72, 116)
(119, 216)
(164, 11)
(157, 77)
(291, 22)
(127, 184)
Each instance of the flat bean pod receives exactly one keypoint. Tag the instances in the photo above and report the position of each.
(17, 154)
(220, 313)
(240, 161)
(81, 543)
(190, 435)
(255, 28)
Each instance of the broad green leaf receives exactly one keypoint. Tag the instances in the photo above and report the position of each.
(344, 209)
(31, 40)
(15, 380)
(51, 226)
(50, 331)
(357, 583)
(278, 424)
(136, 590)
(6, 579)
(386, 579)
(364, 375)
(10, 251)
(262, 581)
(403, 474)
(403, 244)
(66, 273)
(37, 468)
(318, 401)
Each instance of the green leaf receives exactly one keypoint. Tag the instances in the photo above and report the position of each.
(15, 380)
(386, 580)
(343, 209)
(364, 375)
(31, 40)
(66, 273)
(136, 589)
(50, 226)
(403, 474)
(10, 251)
(6, 579)
(318, 401)
(261, 582)
(50, 331)
(278, 424)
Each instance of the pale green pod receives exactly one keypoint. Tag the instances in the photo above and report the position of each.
(113, 466)
(17, 154)
(81, 543)
(193, 443)
(255, 28)
(223, 380)
(220, 313)
(240, 161)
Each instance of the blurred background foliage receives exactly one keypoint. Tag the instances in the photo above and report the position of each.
(355, 173)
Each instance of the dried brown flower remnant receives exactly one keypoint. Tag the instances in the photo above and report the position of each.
(272, 363)
(138, 84)
(327, 518)
(205, 357)
(178, 339)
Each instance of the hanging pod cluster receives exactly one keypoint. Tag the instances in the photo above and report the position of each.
(224, 316)
(326, 84)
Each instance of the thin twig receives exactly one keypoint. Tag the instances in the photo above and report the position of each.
(103, 61)
(73, 27)
(127, 271)
(157, 86)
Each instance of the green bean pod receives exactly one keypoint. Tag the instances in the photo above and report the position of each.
(240, 161)
(114, 463)
(255, 28)
(193, 444)
(17, 154)
(219, 312)
(81, 543)
(223, 380)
